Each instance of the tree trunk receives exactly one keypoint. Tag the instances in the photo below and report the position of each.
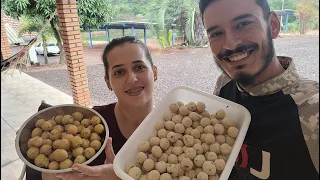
(199, 31)
(45, 52)
(59, 43)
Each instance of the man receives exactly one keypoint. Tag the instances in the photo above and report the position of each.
(282, 140)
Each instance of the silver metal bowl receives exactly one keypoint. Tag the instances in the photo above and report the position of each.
(24, 133)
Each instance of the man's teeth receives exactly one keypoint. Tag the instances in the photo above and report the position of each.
(239, 57)
(134, 90)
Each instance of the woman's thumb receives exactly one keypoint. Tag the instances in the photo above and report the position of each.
(109, 151)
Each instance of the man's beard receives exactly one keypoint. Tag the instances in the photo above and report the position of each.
(246, 79)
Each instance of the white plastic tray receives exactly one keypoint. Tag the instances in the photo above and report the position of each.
(213, 103)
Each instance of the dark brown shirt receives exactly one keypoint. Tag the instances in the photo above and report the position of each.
(118, 140)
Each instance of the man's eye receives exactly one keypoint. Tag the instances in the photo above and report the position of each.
(243, 24)
(215, 34)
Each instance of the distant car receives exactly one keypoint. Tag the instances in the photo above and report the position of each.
(52, 48)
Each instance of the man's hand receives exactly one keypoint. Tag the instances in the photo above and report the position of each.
(86, 172)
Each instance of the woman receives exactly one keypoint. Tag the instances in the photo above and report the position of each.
(130, 74)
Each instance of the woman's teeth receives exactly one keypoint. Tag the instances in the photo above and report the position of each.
(135, 90)
(239, 56)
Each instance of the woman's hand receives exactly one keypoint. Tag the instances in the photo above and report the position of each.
(86, 172)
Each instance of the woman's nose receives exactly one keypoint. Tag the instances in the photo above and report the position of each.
(132, 77)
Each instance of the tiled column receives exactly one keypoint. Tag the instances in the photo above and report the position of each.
(5, 46)
(72, 44)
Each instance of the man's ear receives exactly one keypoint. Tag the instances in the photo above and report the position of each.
(155, 72)
(274, 25)
(107, 80)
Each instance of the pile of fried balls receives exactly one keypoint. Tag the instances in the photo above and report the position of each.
(63, 140)
(188, 143)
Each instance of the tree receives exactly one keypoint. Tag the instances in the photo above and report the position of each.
(184, 13)
(34, 24)
(91, 13)
(308, 10)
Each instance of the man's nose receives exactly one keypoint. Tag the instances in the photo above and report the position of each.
(231, 41)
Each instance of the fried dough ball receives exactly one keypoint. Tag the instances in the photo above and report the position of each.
(144, 146)
(95, 144)
(60, 155)
(187, 121)
(205, 122)
(229, 140)
(183, 110)
(33, 152)
(201, 107)
(192, 106)
(53, 165)
(174, 107)
(162, 133)
(46, 149)
(35, 142)
(72, 129)
(46, 126)
(202, 176)
(47, 141)
(225, 149)
(77, 116)
(155, 141)
(65, 164)
(169, 125)
(209, 139)
(220, 164)
(41, 161)
(233, 132)
(55, 134)
(85, 133)
(135, 173)
(36, 132)
(85, 122)
(194, 116)
(199, 160)
(220, 114)
(153, 175)
(205, 114)
(226, 122)
(220, 139)
(67, 119)
(98, 128)
(58, 119)
(39, 123)
(77, 151)
(167, 116)
(177, 118)
(95, 136)
(156, 151)
(148, 165)
(95, 120)
(89, 152)
(80, 159)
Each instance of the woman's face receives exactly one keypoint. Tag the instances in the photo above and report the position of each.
(130, 74)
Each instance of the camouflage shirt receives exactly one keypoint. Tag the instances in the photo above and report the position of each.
(282, 141)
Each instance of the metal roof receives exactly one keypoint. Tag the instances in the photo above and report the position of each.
(285, 12)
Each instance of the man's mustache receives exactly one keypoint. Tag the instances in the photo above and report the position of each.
(240, 49)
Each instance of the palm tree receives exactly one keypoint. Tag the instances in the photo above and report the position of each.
(184, 13)
(35, 24)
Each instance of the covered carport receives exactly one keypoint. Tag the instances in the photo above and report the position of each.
(286, 13)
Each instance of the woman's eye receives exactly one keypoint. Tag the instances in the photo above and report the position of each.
(243, 24)
(119, 72)
(140, 68)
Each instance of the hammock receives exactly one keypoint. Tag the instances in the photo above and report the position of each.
(19, 58)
